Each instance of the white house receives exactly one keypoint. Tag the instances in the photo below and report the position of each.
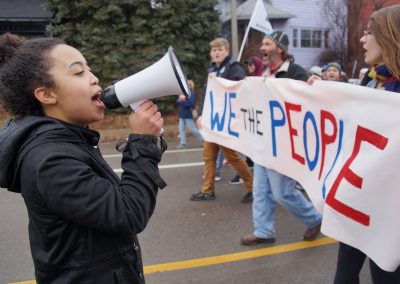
(304, 21)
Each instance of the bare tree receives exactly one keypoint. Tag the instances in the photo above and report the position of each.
(336, 15)
(347, 20)
(356, 25)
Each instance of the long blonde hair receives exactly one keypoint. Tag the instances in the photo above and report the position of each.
(385, 26)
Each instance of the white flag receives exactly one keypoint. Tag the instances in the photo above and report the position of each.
(259, 17)
(258, 21)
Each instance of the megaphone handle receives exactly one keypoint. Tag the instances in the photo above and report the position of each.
(136, 106)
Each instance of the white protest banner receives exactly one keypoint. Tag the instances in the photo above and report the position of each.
(258, 21)
(340, 141)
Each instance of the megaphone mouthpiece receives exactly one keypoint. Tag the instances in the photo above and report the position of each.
(109, 98)
(165, 77)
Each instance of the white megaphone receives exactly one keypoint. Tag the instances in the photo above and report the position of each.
(163, 78)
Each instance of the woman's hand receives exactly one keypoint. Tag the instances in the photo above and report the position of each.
(146, 120)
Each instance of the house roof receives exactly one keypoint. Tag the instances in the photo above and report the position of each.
(29, 10)
(244, 11)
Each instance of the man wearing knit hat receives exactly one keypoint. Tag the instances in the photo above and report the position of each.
(278, 62)
(270, 186)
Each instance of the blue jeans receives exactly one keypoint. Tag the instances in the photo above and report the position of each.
(220, 163)
(270, 187)
(189, 123)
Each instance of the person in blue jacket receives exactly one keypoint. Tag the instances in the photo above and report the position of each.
(186, 107)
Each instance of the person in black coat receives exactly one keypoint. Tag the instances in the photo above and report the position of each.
(83, 218)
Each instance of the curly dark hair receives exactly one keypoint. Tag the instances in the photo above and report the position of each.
(8, 44)
(24, 66)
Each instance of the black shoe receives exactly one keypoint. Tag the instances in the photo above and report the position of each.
(312, 233)
(252, 240)
(236, 180)
(248, 197)
(202, 196)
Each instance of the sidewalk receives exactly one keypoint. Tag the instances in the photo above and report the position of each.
(112, 136)
(114, 129)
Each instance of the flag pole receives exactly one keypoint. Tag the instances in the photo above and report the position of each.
(258, 21)
(234, 30)
(243, 42)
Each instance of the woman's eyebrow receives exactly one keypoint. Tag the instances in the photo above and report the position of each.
(76, 63)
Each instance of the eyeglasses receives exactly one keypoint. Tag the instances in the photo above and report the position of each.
(367, 32)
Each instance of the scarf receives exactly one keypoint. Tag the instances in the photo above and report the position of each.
(381, 73)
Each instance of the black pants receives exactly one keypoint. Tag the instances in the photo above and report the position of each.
(349, 264)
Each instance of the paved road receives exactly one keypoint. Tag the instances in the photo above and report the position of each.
(193, 242)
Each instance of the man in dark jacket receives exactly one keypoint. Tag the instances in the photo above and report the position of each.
(225, 67)
(270, 186)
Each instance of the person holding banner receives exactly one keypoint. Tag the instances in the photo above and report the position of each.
(270, 186)
(381, 40)
(225, 67)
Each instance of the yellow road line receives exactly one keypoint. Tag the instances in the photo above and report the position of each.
(192, 263)
(206, 261)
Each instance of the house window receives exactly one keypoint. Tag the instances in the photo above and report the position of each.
(305, 38)
(295, 36)
(313, 38)
(316, 39)
(326, 39)
(24, 28)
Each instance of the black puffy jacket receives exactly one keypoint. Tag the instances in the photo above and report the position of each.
(83, 219)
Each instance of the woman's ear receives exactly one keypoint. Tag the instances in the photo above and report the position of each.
(45, 96)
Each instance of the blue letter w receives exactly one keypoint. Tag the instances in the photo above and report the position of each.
(215, 117)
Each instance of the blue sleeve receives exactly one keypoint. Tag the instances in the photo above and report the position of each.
(190, 102)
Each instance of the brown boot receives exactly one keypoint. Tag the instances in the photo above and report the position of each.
(252, 240)
(312, 233)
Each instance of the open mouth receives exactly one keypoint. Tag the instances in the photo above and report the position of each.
(97, 101)
(96, 97)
